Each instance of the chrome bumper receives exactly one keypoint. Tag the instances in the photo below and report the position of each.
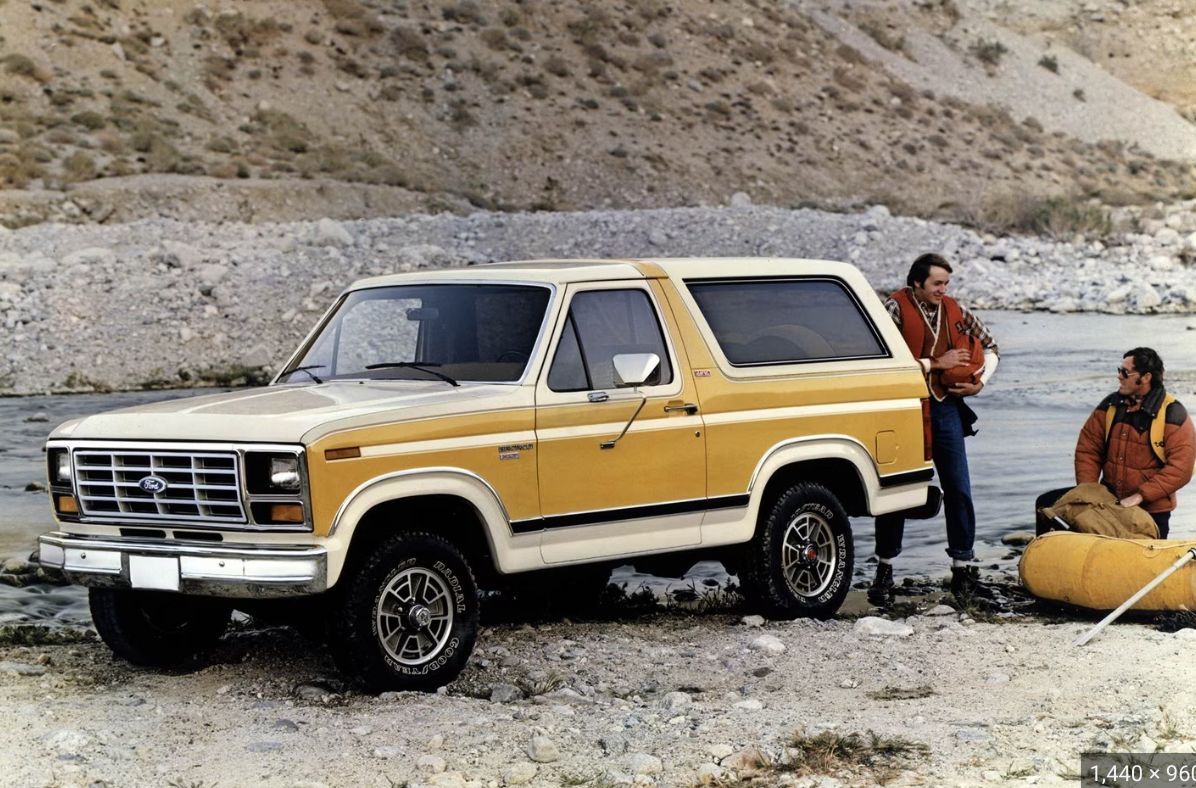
(243, 572)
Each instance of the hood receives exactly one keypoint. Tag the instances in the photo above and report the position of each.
(286, 414)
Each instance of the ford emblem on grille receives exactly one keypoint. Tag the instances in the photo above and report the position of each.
(152, 484)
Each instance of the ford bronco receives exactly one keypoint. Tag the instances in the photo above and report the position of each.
(522, 426)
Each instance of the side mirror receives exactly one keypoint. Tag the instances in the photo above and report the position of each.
(636, 369)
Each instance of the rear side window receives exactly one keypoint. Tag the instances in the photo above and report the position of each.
(786, 321)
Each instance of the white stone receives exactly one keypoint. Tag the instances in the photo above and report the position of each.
(520, 774)
(430, 763)
(1167, 237)
(767, 643)
(95, 255)
(676, 701)
(642, 763)
(332, 233)
(873, 626)
(542, 749)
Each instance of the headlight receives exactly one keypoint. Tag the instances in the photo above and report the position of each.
(59, 461)
(284, 473)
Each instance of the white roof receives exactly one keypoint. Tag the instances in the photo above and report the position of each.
(582, 270)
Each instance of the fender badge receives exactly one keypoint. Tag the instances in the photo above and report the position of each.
(701, 373)
(152, 484)
(508, 455)
(515, 447)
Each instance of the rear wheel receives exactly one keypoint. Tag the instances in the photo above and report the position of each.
(155, 628)
(800, 563)
(407, 619)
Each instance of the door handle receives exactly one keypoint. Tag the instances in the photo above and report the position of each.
(689, 408)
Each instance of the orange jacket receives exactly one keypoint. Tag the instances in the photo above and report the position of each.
(1126, 464)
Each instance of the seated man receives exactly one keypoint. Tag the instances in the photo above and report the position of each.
(1139, 442)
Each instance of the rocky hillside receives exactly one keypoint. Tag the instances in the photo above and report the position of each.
(963, 109)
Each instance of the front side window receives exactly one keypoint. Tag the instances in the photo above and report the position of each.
(467, 332)
(602, 324)
(786, 321)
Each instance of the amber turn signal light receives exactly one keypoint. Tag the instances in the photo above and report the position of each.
(342, 454)
(66, 504)
(286, 512)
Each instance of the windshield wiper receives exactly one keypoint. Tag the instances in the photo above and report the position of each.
(414, 365)
(308, 369)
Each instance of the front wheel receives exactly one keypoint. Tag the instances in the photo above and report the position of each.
(407, 619)
(155, 628)
(800, 562)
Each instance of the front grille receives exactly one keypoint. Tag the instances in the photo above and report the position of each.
(200, 486)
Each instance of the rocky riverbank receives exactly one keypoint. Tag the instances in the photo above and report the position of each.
(941, 697)
(159, 303)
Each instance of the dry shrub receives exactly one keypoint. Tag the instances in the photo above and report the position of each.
(883, 34)
(216, 70)
(23, 66)
(283, 131)
(79, 166)
(345, 9)
(465, 12)
(831, 752)
(90, 120)
(850, 55)
(17, 170)
(756, 52)
(557, 66)
(847, 79)
(409, 44)
(243, 33)
(1059, 217)
(988, 52)
(365, 27)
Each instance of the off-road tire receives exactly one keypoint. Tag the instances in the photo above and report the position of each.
(156, 628)
(801, 561)
(406, 618)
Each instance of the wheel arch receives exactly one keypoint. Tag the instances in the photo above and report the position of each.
(839, 463)
(451, 502)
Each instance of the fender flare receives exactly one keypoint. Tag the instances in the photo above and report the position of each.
(812, 448)
(466, 485)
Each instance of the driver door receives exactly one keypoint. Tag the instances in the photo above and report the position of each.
(648, 491)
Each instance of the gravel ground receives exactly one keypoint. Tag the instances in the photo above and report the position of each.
(670, 699)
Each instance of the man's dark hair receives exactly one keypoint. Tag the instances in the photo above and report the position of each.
(1146, 360)
(921, 268)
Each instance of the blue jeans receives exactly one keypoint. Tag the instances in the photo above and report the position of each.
(951, 464)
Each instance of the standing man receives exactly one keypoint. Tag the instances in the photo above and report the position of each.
(1139, 442)
(935, 326)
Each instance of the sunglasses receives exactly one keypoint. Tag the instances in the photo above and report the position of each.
(1124, 373)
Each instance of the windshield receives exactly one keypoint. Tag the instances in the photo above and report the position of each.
(439, 333)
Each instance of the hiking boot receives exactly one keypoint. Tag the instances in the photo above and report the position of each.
(966, 585)
(881, 589)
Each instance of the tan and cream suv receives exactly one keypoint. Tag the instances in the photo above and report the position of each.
(521, 426)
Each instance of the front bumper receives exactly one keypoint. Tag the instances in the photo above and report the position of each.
(242, 571)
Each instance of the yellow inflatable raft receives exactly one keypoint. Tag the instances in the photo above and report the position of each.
(1102, 572)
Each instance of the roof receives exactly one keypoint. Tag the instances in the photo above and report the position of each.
(586, 270)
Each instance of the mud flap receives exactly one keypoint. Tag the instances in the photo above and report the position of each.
(934, 502)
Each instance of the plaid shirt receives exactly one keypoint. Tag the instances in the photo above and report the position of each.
(972, 325)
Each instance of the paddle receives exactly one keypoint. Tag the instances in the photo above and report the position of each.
(1185, 558)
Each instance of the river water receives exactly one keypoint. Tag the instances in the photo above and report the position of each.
(1054, 369)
